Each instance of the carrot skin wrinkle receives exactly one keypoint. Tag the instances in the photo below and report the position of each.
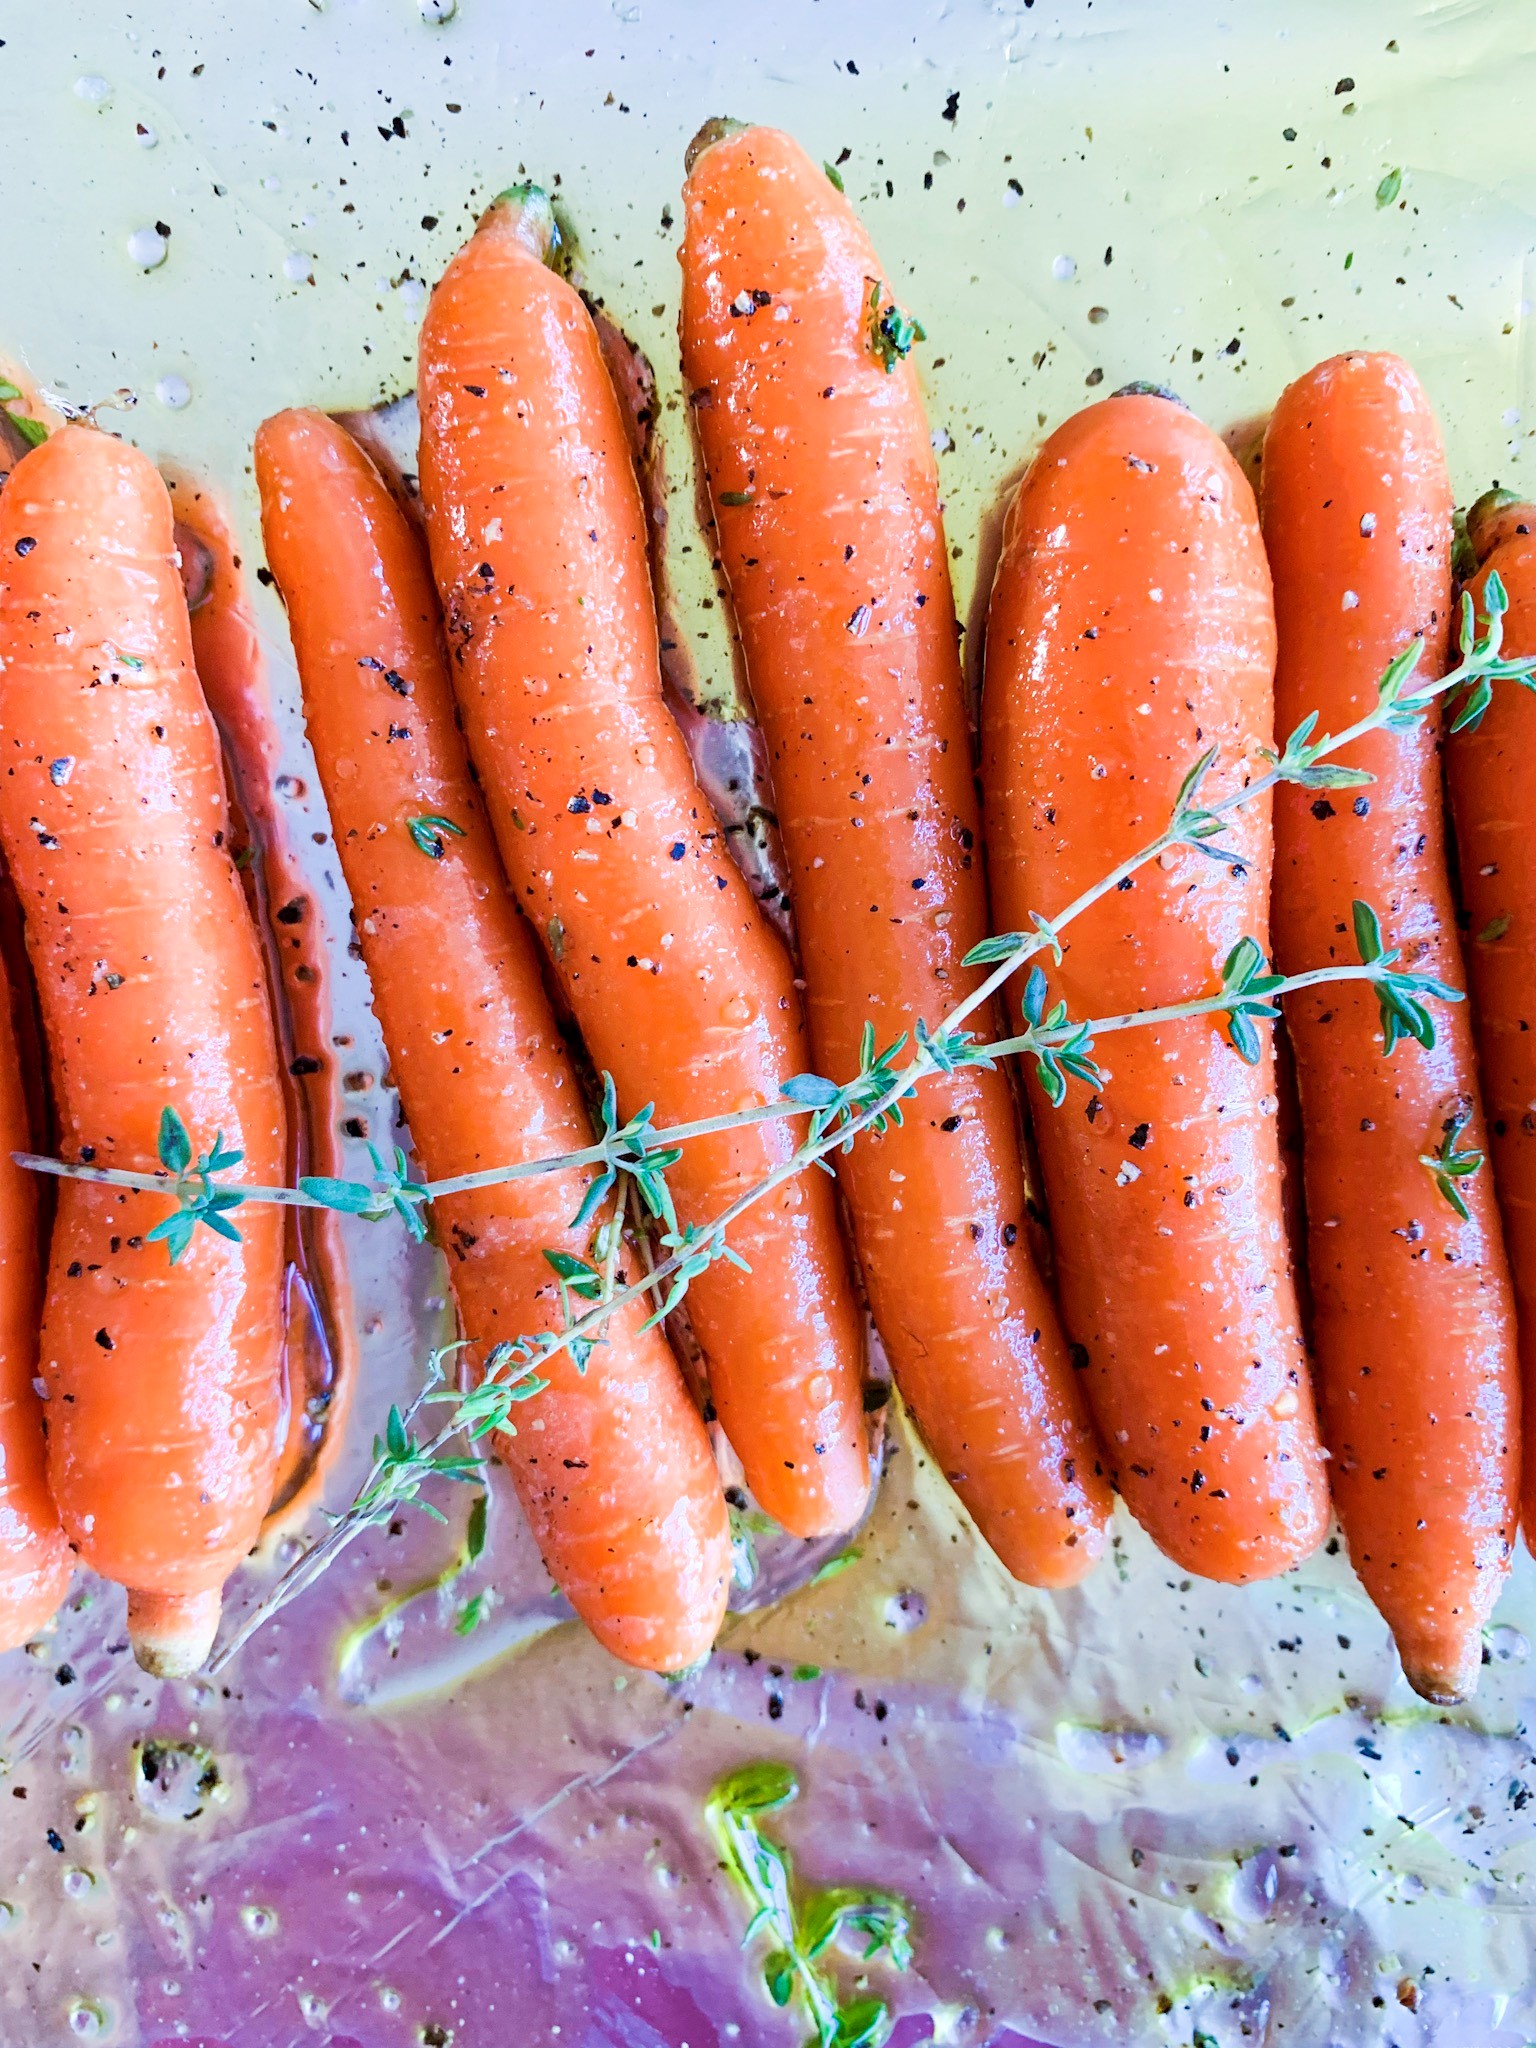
(1131, 630)
(163, 1382)
(682, 991)
(826, 497)
(1414, 1331)
(613, 1466)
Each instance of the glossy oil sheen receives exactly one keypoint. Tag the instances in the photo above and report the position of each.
(613, 1466)
(1130, 631)
(1413, 1331)
(1491, 775)
(682, 991)
(841, 592)
(163, 1381)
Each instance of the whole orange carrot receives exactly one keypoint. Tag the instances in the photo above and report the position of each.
(612, 1464)
(1413, 1324)
(1491, 774)
(35, 1562)
(826, 498)
(163, 1379)
(682, 991)
(1130, 631)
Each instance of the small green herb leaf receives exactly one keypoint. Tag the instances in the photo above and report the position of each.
(351, 1197)
(582, 1280)
(1389, 187)
(833, 173)
(427, 832)
(175, 1145)
(1448, 1164)
(841, 1563)
(1367, 933)
(892, 332)
(990, 951)
(471, 1614)
(779, 1976)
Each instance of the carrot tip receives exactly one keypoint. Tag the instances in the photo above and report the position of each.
(1141, 388)
(715, 129)
(526, 210)
(1443, 1685)
(172, 1633)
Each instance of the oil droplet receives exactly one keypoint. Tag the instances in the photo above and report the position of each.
(173, 391)
(297, 267)
(148, 248)
(92, 88)
(78, 1884)
(438, 11)
(311, 2006)
(737, 1011)
(1506, 1645)
(10, 1915)
(259, 1921)
(389, 1998)
(1064, 268)
(89, 2018)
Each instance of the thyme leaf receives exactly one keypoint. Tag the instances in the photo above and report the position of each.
(1448, 1164)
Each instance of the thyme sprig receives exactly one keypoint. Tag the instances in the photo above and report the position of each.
(403, 1463)
(803, 1931)
(872, 1098)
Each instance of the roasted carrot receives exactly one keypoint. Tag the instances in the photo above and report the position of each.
(163, 1381)
(1413, 1325)
(826, 499)
(1491, 774)
(35, 1562)
(1130, 631)
(1498, 516)
(613, 1466)
(682, 991)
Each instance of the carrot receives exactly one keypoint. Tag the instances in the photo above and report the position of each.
(826, 500)
(1491, 775)
(35, 1562)
(1413, 1328)
(1130, 630)
(321, 1338)
(164, 1380)
(1498, 516)
(613, 1466)
(682, 991)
